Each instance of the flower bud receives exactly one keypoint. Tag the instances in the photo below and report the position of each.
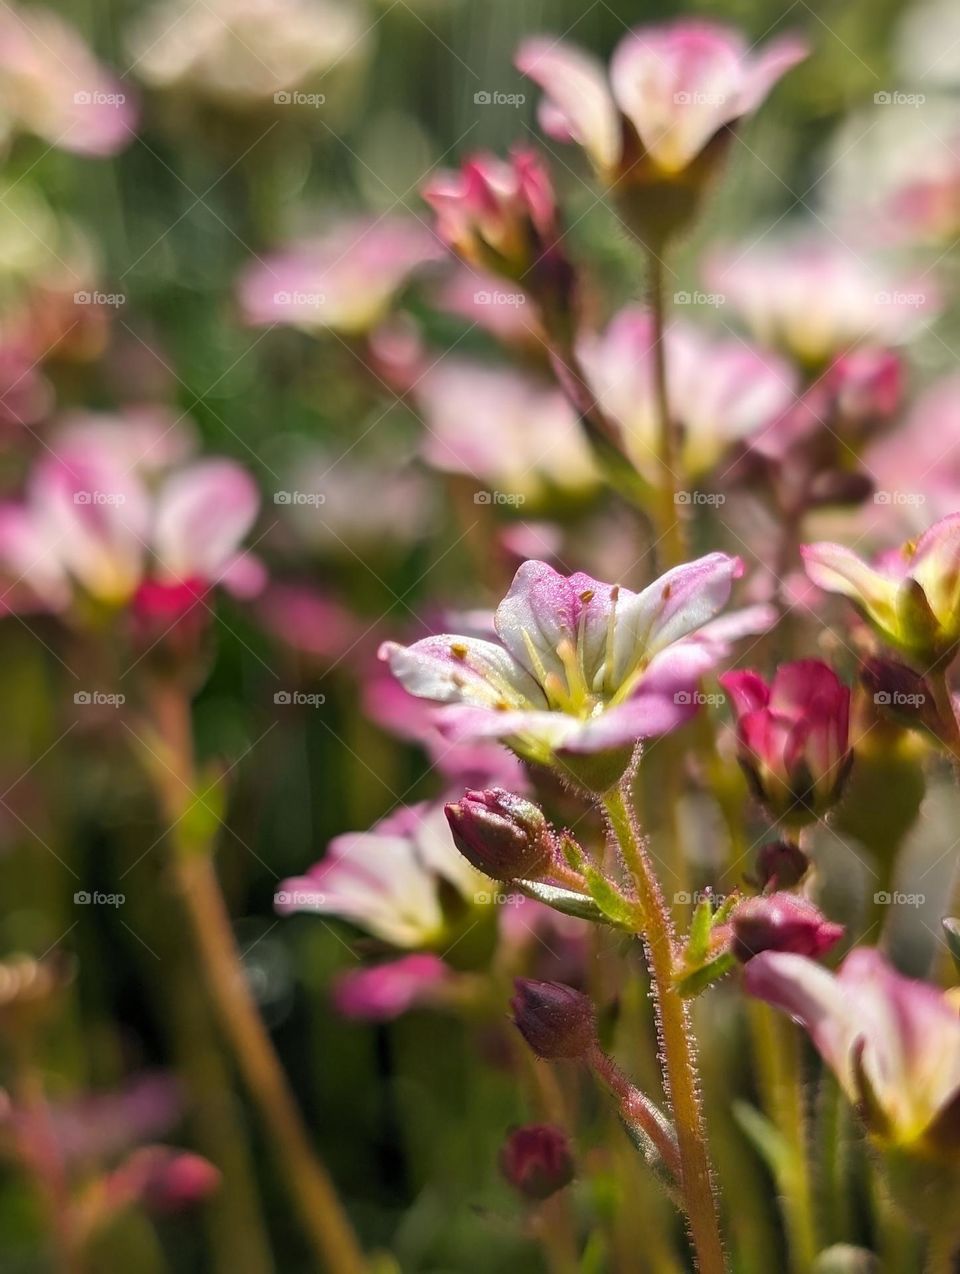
(536, 1160)
(555, 1020)
(501, 834)
(781, 922)
(781, 865)
(164, 1180)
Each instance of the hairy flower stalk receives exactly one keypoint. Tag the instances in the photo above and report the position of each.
(669, 525)
(677, 1041)
(324, 1220)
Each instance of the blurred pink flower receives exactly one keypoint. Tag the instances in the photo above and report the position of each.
(162, 1180)
(910, 597)
(505, 428)
(91, 522)
(244, 53)
(721, 390)
(892, 1042)
(386, 991)
(793, 736)
(390, 880)
(815, 297)
(583, 666)
(672, 89)
(346, 279)
(482, 299)
(308, 620)
(916, 467)
(53, 86)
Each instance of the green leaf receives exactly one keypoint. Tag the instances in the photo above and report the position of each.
(617, 909)
(765, 1138)
(567, 901)
(697, 981)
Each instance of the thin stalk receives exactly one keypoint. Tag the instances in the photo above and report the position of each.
(777, 1048)
(669, 525)
(678, 1046)
(323, 1218)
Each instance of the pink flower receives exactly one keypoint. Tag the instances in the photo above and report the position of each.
(892, 1042)
(793, 736)
(162, 1180)
(54, 87)
(721, 391)
(502, 216)
(386, 991)
(781, 922)
(916, 467)
(672, 89)
(580, 666)
(481, 299)
(911, 597)
(815, 298)
(346, 279)
(91, 524)
(391, 880)
(505, 428)
(536, 1160)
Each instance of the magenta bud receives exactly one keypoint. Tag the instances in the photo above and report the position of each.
(165, 1180)
(781, 922)
(501, 834)
(554, 1019)
(781, 865)
(536, 1160)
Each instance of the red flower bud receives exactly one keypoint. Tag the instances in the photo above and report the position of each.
(781, 922)
(781, 865)
(555, 1020)
(536, 1160)
(500, 834)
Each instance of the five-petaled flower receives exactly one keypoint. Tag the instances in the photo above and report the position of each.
(673, 94)
(892, 1042)
(911, 597)
(582, 667)
(793, 736)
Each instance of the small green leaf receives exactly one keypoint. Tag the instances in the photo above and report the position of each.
(765, 1138)
(617, 909)
(697, 980)
(698, 943)
(567, 901)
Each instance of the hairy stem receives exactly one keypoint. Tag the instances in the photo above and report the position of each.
(322, 1215)
(678, 1045)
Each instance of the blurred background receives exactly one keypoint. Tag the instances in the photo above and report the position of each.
(129, 252)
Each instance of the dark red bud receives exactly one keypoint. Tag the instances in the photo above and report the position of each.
(555, 1020)
(501, 834)
(781, 922)
(536, 1160)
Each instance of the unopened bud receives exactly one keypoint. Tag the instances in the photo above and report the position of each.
(781, 865)
(165, 1180)
(501, 834)
(555, 1020)
(781, 922)
(536, 1160)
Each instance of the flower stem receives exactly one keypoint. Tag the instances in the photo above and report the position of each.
(322, 1215)
(677, 1041)
(669, 526)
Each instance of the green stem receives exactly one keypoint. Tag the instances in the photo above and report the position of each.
(677, 1042)
(669, 525)
(324, 1220)
(778, 1053)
